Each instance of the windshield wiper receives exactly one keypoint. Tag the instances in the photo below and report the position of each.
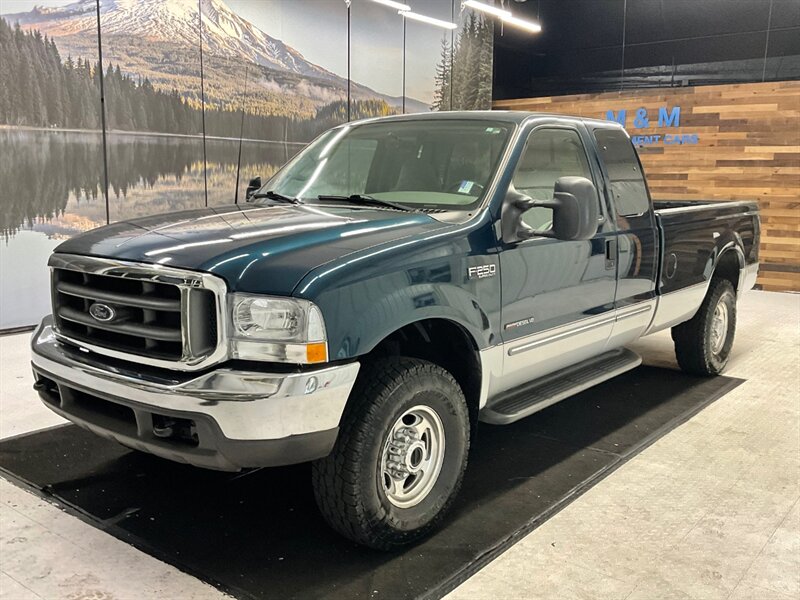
(276, 196)
(366, 200)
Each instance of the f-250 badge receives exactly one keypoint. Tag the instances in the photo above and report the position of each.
(482, 271)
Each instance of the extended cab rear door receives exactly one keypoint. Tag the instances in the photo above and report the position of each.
(637, 243)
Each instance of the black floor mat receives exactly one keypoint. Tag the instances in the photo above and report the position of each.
(258, 534)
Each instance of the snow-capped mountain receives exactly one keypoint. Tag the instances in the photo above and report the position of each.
(137, 34)
(224, 32)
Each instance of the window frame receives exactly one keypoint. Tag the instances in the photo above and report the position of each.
(608, 182)
(594, 166)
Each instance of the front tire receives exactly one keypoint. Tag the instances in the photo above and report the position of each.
(703, 343)
(400, 457)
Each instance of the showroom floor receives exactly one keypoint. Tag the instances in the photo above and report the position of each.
(709, 511)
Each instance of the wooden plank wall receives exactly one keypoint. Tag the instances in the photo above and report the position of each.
(748, 149)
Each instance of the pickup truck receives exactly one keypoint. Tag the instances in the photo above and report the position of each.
(398, 281)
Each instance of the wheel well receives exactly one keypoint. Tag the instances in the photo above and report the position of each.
(728, 267)
(444, 343)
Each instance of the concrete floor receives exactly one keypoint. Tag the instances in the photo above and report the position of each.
(709, 511)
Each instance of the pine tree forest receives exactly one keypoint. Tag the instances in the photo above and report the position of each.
(42, 90)
(463, 78)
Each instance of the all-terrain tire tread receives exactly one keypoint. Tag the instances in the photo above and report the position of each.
(336, 485)
(691, 341)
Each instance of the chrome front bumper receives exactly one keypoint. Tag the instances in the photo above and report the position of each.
(237, 414)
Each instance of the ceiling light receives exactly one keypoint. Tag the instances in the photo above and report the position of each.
(395, 5)
(428, 20)
(488, 8)
(522, 24)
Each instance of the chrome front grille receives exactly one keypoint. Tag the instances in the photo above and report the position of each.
(149, 313)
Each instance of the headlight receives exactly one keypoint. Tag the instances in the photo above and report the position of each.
(280, 329)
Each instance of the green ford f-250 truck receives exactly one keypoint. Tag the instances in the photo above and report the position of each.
(398, 281)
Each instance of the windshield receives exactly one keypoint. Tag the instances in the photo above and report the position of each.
(444, 164)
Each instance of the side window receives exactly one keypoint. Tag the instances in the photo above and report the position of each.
(548, 155)
(624, 174)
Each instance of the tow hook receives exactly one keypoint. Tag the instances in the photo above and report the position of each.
(175, 429)
(163, 427)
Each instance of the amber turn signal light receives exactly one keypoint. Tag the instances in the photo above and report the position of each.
(316, 352)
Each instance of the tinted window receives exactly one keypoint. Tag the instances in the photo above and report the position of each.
(443, 163)
(624, 173)
(549, 154)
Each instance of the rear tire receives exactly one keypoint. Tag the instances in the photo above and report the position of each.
(703, 343)
(400, 457)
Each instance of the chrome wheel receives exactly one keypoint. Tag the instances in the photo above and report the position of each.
(719, 327)
(412, 456)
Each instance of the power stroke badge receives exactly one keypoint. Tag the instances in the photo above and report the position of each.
(520, 323)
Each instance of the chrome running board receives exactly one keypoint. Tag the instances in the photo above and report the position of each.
(534, 396)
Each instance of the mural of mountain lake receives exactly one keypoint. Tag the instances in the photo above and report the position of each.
(51, 188)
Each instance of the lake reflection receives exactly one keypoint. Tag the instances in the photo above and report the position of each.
(51, 183)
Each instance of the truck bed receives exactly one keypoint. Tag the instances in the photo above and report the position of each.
(694, 233)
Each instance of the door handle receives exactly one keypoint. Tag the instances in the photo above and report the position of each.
(611, 253)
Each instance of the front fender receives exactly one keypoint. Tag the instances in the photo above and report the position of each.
(381, 317)
(370, 295)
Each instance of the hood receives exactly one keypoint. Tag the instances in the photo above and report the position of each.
(258, 249)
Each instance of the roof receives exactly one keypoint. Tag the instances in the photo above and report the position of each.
(509, 116)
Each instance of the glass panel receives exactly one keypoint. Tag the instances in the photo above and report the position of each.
(436, 164)
(625, 175)
(424, 47)
(578, 50)
(783, 53)
(549, 154)
(376, 37)
(51, 172)
(275, 79)
(151, 62)
(473, 55)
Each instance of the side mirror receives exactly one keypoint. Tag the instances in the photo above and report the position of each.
(576, 212)
(252, 187)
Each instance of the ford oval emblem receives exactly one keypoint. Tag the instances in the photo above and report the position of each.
(102, 312)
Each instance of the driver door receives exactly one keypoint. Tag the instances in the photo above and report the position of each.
(557, 296)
